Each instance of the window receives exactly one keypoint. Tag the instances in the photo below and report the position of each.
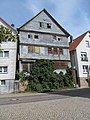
(41, 24)
(50, 50)
(4, 54)
(1, 53)
(3, 82)
(87, 43)
(25, 67)
(55, 51)
(30, 49)
(37, 49)
(48, 25)
(59, 38)
(36, 37)
(29, 36)
(85, 68)
(84, 56)
(54, 37)
(0, 69)
(3, 69)
(60, 51)
(33, 49)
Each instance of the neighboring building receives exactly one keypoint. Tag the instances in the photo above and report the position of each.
(43, 38)
(80, 58)
(7, 61)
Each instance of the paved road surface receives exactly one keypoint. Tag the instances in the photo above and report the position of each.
(45, 97)
(65, 105)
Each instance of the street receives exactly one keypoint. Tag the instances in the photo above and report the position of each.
(64, 105)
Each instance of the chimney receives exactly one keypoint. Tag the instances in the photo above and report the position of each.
(12, 25)
(71, 39)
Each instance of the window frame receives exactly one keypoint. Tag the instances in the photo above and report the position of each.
(3, 71)
(87, 43)
(3, 81)
(84, 56)
(48, 25)
(85, 70)
(29, 36)
(50, 51)
(41, 24)
(3, 54)
(36, 37)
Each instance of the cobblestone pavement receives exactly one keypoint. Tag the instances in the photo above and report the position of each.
(72, 108)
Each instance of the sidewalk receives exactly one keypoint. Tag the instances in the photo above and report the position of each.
(31, 93)
(19, 94)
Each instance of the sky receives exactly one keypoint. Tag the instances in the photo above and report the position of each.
(72, 15)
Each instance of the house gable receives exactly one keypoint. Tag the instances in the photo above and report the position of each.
(44, 18)
(76, 42)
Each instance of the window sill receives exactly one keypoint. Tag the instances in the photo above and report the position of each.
(84, 60)
(4, 73)
(85, 72)
(2, 85)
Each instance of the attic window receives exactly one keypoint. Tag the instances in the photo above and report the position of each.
(41, 25)
(48, 25)
(59, 38)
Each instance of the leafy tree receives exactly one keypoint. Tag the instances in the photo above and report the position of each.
(6, 34)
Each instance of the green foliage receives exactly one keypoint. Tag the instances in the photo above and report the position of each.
(6, 34)
(69, 80)
(43, 78)
(21, 76)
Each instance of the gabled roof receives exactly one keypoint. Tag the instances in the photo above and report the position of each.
(48, 14)
(76, 42)
(7, 24)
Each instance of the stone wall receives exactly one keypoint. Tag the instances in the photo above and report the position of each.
(84, 82)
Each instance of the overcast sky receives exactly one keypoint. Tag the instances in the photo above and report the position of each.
(73, 15)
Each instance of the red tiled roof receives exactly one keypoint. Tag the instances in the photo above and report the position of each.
(76, 42)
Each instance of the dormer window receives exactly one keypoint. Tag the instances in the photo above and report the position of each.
(36, 36)
(48, 25)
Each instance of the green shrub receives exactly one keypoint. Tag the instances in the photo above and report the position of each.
(43, 78)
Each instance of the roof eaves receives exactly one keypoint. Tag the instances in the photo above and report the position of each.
(8, 24)
(76, 42)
